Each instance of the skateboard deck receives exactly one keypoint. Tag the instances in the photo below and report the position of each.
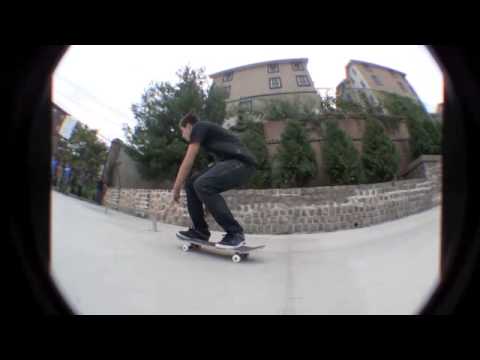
(238, 254)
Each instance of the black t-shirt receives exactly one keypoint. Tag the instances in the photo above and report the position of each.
(220, 143)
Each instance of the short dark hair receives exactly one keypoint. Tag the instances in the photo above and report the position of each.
(189, 118)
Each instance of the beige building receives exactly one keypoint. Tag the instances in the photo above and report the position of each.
(438, 115)
(58, 116)
(440, 108)
(250, 86)
(372, 80)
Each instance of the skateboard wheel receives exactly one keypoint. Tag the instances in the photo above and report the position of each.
(185, 247)
(236, 258)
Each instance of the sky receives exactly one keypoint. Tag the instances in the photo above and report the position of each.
(98, 84)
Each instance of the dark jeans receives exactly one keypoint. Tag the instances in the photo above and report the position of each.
(206, 187)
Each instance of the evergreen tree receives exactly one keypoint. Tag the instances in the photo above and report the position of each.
(254, 139)
(380, 158)
(295, 161)
(86, 155)
(215, 109)
(155, 142)
(422, 139)
(434, 133)
(342, 160)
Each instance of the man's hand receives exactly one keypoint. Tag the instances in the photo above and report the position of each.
(176, 195)
(184, 170)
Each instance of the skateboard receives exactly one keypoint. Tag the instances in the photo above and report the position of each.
(238, 254)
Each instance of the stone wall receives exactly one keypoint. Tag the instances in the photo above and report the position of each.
(429, 167)
(301, 210)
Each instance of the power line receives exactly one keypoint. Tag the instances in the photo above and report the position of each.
(98, 131)
(95, 99)
(85, 107)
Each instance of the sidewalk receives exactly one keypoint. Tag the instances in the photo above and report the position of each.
(113, 263)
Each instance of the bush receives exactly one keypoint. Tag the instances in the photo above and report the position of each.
(424, 136)
(433, 129)
(294, 164)
(420, 141)
(342, 161)
(380, 158)
(282, 109)
(252, 136)
(348, 106)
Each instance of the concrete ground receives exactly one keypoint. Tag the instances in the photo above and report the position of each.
(113, 263)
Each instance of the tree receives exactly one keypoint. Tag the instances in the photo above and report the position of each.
(423, 139)
(85, 154)
(380, 158)
(348, 106)
(342, 160)
(155, 142)
(215, 109)
(433, 129)
(295, 161)
(253, 137)
(282, 109)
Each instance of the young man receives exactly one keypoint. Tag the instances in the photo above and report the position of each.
(67, 176)
(234, 165)
(54, 169)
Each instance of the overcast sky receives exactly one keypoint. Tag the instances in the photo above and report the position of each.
(97, 84)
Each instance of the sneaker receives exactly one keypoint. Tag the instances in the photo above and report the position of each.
(231, 241)
(192, 234)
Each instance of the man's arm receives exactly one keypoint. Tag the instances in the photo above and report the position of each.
(186, 167)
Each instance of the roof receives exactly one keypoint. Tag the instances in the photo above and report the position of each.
(60, 108)
(374, 65)
(251, 66)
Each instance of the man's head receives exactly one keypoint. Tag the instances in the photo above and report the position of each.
(186, 124)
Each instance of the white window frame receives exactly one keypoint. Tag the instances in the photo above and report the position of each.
(308, 82)
(276, 68)
(298, 66)
(270, 80)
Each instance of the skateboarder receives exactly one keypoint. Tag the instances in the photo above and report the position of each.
(234, 165)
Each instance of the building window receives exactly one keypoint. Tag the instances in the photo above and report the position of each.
(227, 91)
(273, 68)
(228, 77)
(353, 71)
(246, 105)
(303, 80)
(298, 66)
(401, 86)
(275, 83)
(368, 67)
(363, 84)
(377, 80)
